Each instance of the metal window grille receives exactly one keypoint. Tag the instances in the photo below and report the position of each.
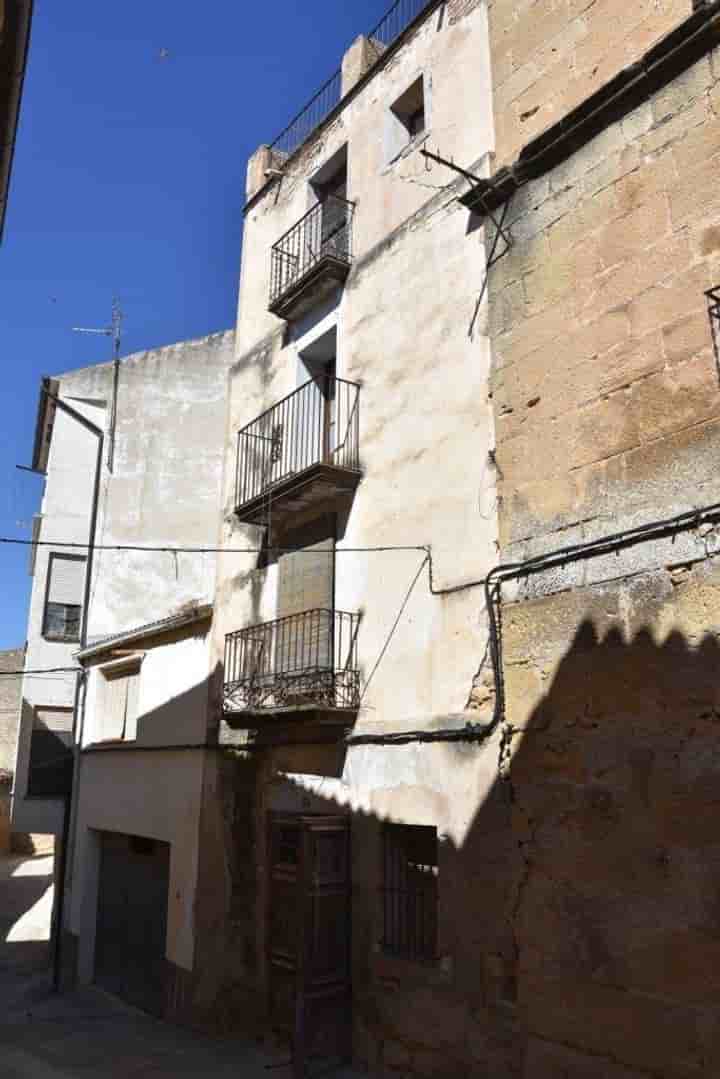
(391, 26)
(410, 891)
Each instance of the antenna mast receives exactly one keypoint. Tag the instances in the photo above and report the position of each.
(114, 331)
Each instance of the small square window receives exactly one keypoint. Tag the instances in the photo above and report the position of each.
(410, 108)
(410, 891)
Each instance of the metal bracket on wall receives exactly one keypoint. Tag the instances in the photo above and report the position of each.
(713, 299)
(478, 200)
(475, 201)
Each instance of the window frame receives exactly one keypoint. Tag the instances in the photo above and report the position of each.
(48, 634)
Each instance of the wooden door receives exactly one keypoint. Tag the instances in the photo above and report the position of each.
(309, 935)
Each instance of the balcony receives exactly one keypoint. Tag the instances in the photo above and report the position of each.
(301, 453)
(312, 258)
(301, 667)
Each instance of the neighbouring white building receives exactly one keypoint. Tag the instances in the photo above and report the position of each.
(159, 481)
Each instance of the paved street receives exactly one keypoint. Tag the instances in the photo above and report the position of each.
(89, 1035)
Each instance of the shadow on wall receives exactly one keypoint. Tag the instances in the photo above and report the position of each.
(579, 922)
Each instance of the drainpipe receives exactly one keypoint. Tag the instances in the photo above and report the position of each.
(79, 706)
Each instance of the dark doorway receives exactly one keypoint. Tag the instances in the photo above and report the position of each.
(132, 919)
(309, 935)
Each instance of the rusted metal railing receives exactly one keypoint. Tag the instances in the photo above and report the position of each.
(324, 232)
(317, 424)
(303, 659)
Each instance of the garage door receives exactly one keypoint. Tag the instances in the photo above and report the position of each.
(132, 919)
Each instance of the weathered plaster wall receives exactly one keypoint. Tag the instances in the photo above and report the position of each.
(165, 485)
(65, 516)
(164, 489)
(549, 55)
(173, 690)
(409, 331)
(605, 386)
(155, 795)
(450, 49)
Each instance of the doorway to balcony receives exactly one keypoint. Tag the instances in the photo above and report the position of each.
(318, 363)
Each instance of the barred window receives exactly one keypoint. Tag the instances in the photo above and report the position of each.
(410, 891)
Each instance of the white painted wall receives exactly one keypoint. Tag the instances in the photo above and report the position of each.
(156, 795)
(172, 704)
(65, 514)
(408, 330)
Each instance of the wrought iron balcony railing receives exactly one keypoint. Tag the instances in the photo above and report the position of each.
(304, 660)
(319, 245)
(316, 428)
(391, 26)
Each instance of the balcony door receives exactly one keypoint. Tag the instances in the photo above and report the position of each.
(330, 186)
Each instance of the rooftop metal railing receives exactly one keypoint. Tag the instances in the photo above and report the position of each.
(325, 230)
(390, 27)
(317, 424)
(309, 658)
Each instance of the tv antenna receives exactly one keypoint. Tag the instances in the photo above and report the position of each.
(114, 330)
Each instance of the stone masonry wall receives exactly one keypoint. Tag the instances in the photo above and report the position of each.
(605, 387)
(611, 767)
(549, 55)
(607, 407)
(10, 692)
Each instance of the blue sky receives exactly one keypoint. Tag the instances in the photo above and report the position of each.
(129, 179)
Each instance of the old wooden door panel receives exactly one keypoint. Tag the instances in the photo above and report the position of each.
(309, 933)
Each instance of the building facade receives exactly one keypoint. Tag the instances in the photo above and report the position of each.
(125, 483)
(502, 859)
(360, 472)
(439, 766)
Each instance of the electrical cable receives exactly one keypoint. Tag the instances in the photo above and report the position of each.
(48, 670)
(200, 550)
(391, 634)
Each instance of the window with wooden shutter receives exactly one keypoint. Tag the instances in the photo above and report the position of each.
(118, 701)
(306, 582)
(63, 605)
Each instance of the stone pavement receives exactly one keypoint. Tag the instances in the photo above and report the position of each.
(88, 1034)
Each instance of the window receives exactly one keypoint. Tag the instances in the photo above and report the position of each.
(410, 109)
(410, 891)
(118, 700)
(63, 604)
(50, 771)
